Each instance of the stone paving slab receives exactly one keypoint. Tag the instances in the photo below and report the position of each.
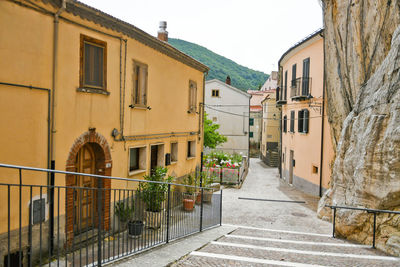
(169, 253)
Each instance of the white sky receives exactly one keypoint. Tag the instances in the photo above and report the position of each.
(253, 33)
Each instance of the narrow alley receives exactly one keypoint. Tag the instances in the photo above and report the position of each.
(277, 233)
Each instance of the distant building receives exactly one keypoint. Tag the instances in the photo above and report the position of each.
(271, 82)
(306, 146)
(229, 107)
(255, 120)
(270, 132)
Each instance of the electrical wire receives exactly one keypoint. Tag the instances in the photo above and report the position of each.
(256, 117)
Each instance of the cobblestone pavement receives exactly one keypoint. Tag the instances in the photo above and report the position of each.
(270, 233)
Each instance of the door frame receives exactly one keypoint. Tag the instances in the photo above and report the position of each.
(103, 167)
(291, 166)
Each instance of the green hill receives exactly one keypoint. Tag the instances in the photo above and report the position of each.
(220, 67)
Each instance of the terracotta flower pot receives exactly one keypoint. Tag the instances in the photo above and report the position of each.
(188, 204)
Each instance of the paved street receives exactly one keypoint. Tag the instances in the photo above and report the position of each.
(278, 233)
(264, 233)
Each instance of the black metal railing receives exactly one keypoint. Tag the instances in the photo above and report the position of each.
(101, 220)
(373, 211)
(300, 88)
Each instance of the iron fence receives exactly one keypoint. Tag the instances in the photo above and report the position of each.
(101, 220)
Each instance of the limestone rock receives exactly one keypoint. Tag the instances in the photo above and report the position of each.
(366, 171)
(357, 38)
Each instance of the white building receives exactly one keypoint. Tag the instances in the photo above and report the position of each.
(229, 107)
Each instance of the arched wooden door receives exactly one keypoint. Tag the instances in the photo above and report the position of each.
(85, 199)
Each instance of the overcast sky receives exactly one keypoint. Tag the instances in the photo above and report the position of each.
(253, 33)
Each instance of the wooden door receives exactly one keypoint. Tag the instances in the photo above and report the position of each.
(291, 167)
(153, 158)
(84, 199)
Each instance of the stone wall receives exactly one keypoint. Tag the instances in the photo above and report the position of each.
(362, 56)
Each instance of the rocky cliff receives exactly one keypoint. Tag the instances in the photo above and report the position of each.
(362, 56)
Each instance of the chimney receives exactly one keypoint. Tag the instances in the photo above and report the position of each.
(228, 80)
(162, 33)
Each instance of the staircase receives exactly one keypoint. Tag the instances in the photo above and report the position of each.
(250, 246)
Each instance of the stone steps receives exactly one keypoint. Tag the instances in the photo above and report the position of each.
(249, 246)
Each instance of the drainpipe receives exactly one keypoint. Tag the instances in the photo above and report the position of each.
(248, 134)
(53, 125)
(202, 124)
(322, 130)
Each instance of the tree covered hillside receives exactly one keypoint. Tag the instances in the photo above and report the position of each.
(242, 77)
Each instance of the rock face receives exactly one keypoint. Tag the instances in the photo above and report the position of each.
(362, 55)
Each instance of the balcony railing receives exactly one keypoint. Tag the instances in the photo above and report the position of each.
(300, 88)
(89, 226)
(281, 99)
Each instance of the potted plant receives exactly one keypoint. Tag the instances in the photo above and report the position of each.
(135, 228)
(189, 196)
(124, 213)
(207, 180)
(153, 194)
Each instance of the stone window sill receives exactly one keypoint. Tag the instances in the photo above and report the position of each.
(136, 172)
(189, 158)
(92, 90)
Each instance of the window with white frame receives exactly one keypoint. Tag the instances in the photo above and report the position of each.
(174, 152)
(137, 159)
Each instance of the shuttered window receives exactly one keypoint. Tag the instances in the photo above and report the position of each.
(294, 67)
(285, 85)
(300, 121)
(140, 73)
(192, 97)
(93, 63)
(303, 120)
(292, 114)
(284, 124)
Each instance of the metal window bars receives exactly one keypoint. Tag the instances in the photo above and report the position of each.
(88, 229)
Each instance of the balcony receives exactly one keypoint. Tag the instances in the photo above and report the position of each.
(300, 89)
(280, 96)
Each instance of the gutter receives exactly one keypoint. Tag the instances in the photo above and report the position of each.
(322, 128)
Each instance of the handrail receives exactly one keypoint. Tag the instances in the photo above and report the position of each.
(2, 165)
(374, 211)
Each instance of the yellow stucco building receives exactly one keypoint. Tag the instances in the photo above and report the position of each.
(270, 132)
(86, 92)
(306, 145)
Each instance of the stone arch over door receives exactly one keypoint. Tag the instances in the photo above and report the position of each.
(103, 166)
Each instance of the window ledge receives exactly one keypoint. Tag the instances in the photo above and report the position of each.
(136, 172)
(92, 90)
(193, 157)
(173, 162)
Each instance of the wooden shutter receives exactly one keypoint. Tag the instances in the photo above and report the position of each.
(292, 114)
(294, 75)
(285, 85)
(300, 121)
(306, 77)
(306, 120)
(285, 124)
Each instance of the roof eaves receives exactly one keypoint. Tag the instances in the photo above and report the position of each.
(105, 20)
(304, 40)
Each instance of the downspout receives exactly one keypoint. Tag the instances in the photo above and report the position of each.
(53, 126)
(322, 130)
(248, 136)
(201, 129)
